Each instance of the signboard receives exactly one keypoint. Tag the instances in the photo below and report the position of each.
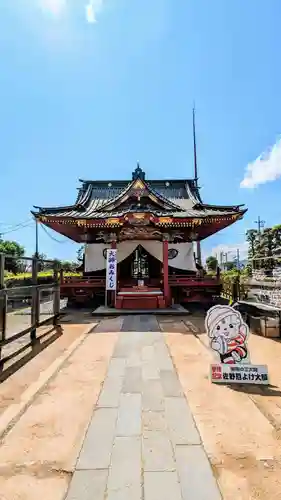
(111, 269)
(228, 338)
(243, 374)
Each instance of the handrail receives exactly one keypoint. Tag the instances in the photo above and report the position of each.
(181, 278)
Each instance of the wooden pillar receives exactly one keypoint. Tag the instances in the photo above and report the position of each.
(166, 271)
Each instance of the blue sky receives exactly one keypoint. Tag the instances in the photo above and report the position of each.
(89, 90)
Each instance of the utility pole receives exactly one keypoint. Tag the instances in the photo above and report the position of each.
(238, 259)
(225, 267)
(198, 244)
(260, 224)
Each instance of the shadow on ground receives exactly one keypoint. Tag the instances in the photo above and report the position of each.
(78, 316)
(12, 363)
(270, 390)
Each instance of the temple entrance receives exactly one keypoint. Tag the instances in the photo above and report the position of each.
(140, 266)
(140, 282)
(140, 269)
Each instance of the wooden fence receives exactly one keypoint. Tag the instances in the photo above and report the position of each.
(233, 289)
(32, 307)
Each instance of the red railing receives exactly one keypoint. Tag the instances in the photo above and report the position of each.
(82, 281)
(183, 280)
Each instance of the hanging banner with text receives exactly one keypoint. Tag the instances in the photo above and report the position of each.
(111, 269)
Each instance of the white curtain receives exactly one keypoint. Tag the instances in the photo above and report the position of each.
(180, 254)
(95, 259)
(183, 256)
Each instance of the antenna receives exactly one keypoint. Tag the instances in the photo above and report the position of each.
(198, 246)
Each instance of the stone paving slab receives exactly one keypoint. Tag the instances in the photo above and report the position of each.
(152, 396)
(195, 473)
(170, 383)
(129, 415)
(140, 323)
(132, 380)
(124, 481)
(162, 485)
(110, 395)
(142, 437)
(180, 422)
(116, 367)
(157, 451)
(88, 485)
(97, 446)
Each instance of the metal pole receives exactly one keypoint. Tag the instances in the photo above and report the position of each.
(36, 239)
(56, 298)
(35, 305)
(260, 224)
(3, 301)
(238, 258)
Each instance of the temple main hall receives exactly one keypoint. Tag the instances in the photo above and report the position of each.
(155, 226)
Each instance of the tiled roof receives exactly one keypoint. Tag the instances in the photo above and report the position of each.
(179, 198)
(92, 213)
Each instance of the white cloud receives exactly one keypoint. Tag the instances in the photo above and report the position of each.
(92, 9)
(267, 167)
(54, 7)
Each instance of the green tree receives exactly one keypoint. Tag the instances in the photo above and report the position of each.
(42, 266)
(80, 254)
(68, 266)
(229, 266)
(252, 239)
(15, 251)
(212, 263)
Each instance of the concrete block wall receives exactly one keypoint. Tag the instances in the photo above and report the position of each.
(260, 275)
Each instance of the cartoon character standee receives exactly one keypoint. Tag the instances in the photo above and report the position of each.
(228, 334)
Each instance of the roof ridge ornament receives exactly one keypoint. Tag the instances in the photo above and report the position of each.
(138, 173)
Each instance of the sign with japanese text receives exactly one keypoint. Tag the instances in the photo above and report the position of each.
(111, 269)
(228, 339)
(243, 374)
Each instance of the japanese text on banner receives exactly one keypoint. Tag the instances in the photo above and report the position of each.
(111, 269)
(251, 374)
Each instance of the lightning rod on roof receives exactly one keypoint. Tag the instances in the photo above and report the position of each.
(198, 245)
(194, 146)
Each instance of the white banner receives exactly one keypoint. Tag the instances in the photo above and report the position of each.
(180, 254)
(111, 269)
(95, 254)
(239, 374)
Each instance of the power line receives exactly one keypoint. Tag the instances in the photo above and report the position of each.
(17, 228)
(51, 236)
(9, 225)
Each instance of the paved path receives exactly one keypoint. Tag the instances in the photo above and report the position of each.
(142, 442)
(105, 417)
